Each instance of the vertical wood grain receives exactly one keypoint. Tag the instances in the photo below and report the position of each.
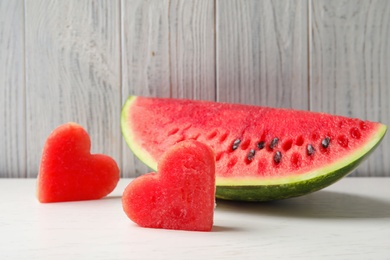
(145, 48)
(12, 91)
(192, 49)
(73, 72)
(350, 66)
(78, 61)
(168, 50)
(262, 52)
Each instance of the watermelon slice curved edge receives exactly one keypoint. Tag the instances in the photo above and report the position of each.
(152, 125)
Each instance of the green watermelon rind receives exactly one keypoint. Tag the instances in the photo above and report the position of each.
(255, 189)
(298, 186)
(138, 151)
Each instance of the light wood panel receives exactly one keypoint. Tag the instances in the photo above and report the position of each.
(12, 95)
(145, 48)
(168, 51)
(79, 60)
(192, 49)
(262, 52)
(350, 66)
(73, 72)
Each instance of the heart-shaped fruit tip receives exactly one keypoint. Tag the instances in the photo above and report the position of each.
(180, 196)
(69, 172)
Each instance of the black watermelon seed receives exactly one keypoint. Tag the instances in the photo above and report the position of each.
(261, 145)
(251, 154)
(277, 157)
(236, 143)
(273, 143)
(325, 143)
(310, 149)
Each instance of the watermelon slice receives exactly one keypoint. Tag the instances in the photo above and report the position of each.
(262, 153)
(180, 196)
(69, 172)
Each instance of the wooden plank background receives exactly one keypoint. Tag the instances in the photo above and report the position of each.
(78, 61)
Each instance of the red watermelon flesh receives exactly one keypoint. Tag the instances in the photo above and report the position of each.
(255, 146)
(180, 196)
(69, 172)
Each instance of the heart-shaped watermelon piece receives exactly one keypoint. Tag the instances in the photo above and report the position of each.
(180, 196)
(69, 172)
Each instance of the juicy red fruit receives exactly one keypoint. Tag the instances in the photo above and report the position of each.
(69, 172)
(259, 143)
(180, 196)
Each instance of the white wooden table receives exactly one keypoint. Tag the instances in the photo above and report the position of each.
(349, 220)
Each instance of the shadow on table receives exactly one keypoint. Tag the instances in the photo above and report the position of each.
(321, 204)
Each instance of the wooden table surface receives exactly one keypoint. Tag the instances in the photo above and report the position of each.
(348, 220)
